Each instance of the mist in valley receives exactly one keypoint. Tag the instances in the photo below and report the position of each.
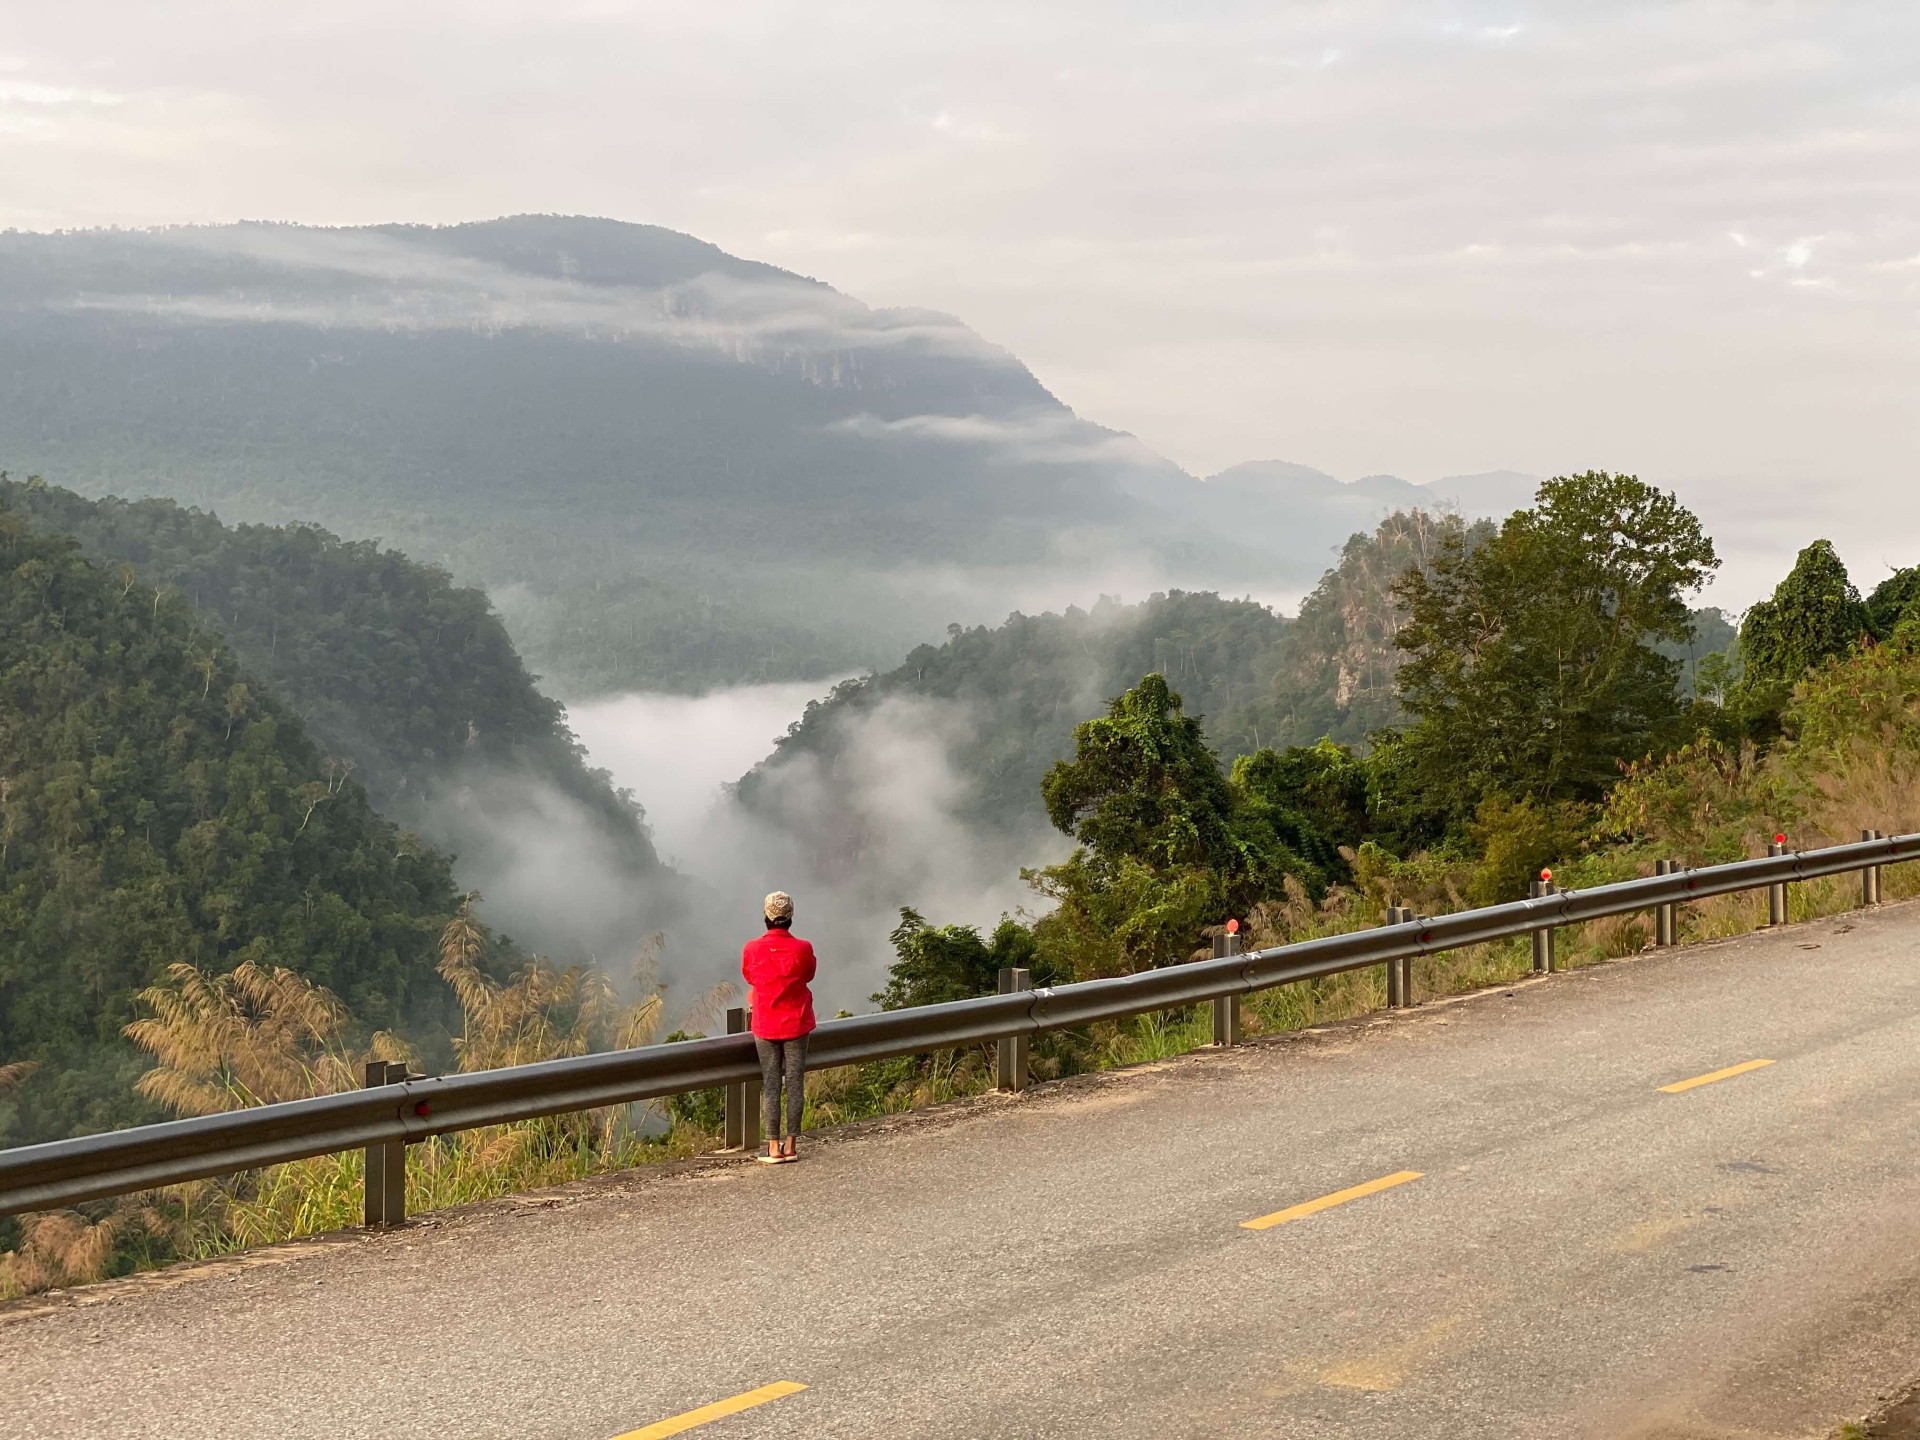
(854, 840)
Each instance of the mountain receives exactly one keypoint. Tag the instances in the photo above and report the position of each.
(999, 705)
(1266, 508)
(413, 682)
(668, 466)
(159, 805)
(1011, 695)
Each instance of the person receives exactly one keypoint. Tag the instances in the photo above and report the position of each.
(777, 968)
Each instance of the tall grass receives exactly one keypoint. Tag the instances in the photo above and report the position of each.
(257, 1035)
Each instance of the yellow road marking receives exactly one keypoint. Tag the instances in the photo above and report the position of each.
(1327, 1202)
(1726, 1074)
(719, 1410)
(1393, 1367)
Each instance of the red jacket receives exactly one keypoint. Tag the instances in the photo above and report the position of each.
(778, 966)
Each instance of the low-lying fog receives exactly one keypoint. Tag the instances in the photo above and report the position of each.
(675, 752)
(854, 844)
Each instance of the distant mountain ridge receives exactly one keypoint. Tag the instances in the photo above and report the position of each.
(669, 466)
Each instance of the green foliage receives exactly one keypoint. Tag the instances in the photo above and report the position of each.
(1337, 669)
(1814, 615)
(1702, 802)
(1168, 846)
(935, 964)
(1143, 784)
(1400, 812)
(1115, 919)
(1294, 809)
(1532, 669)
(1850, 758)
(1145, 798)
(1861, 712)
(1024, 685)
(1894, 599)
(1517, 839)
(153, 812)
(387, 661)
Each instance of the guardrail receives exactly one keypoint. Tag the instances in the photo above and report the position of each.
(384, 1117)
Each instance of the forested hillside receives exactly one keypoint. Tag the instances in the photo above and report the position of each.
(1016, 691)
(1252, 677)
(159, 805)
(669, 466)
(1517, 684)
(672, 465)
(414, 682)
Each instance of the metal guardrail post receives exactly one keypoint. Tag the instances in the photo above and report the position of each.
(1407, 917)
(1870, 877)
(1226, 1008)
(384, 1184)
(1540, 964)
(1010, 1060)
(1548, 946)
(1777, 892)
(743, 1096)
(1394, 975)
(1666, 917)
(1400, 969)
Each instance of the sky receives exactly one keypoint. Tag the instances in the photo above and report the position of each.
(1679, 239)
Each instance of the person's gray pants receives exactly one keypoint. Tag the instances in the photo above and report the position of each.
(782, 1062)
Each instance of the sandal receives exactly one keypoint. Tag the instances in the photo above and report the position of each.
(790, 1153)
(773, 1155)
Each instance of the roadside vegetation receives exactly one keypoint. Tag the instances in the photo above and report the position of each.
(1540, 673)
(258, 1034)
(1537, 675)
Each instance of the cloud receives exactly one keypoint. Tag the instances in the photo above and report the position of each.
(1045, 437)
(879, 827)
(554, 874)
(26, 92)
(363, 280)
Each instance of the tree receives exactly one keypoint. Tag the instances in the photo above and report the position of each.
(1292, 811)
(1145, 798)
(1143, 784)
(938, 963)
(1532, 668)
(1894, 599)
(1814, 615)
(145, 822)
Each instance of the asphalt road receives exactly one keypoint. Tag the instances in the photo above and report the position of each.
(1583, 1253)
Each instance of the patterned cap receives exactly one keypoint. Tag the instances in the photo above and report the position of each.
(778, 906)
